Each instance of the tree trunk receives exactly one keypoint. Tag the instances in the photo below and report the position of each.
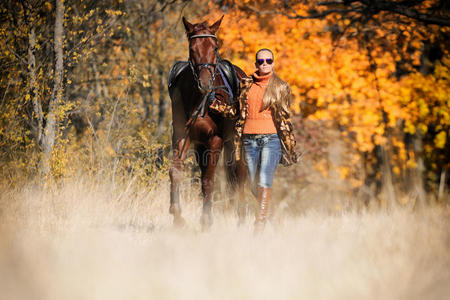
(418, 181)
(51, 127)
(386, 173)
(37, 116)
(442, 183)
(386, 154)
(162, 104)
(148, 103)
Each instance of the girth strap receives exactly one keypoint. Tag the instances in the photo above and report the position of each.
(227, 85)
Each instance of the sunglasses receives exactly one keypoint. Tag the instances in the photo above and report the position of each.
(260, 61)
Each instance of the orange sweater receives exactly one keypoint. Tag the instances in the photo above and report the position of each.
(257, 121)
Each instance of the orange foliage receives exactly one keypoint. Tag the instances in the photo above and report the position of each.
(348, 82)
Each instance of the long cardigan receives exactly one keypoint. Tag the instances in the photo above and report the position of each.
(281, 115)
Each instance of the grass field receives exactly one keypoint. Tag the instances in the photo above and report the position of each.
(88, 241)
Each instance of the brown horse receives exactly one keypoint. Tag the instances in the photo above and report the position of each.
(192, 86)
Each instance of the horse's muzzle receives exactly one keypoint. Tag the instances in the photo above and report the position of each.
(205, 86)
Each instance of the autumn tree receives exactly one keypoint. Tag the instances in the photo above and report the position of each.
(370, 83)
(100, 105)
(40, 47)
(367, 49)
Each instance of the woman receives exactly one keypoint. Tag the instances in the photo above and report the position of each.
(263, 129)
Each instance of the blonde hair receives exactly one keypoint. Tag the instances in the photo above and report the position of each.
(278, 93)
(264, 49)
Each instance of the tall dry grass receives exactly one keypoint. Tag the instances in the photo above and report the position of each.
(85, 240)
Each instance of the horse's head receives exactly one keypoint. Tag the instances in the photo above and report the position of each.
(203, 52)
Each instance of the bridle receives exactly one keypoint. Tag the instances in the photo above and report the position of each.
(201, 66)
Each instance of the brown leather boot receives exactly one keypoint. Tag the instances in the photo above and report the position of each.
(264, 195)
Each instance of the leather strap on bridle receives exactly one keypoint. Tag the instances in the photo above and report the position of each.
(202, 35)
(203, 65)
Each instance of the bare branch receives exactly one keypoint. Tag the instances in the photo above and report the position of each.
(344, 7)
(425, 18)
(295, 15)
(341, 2)
(93, 36)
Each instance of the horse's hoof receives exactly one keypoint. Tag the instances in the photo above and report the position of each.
(260, 224)
(242, 215)
(206, 221)
(178, 221)
(241, 220)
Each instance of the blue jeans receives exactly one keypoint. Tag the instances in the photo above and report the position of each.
(262, 155)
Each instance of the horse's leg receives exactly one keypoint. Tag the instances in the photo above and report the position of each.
(180, 145)
(208, 161)
(241, 174)
(236, 176)
(176, 174)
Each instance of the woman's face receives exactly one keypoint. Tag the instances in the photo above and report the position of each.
(261, 62)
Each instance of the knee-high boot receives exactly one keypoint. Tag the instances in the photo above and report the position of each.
(264, 195)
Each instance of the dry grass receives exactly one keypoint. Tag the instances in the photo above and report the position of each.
(85, 241)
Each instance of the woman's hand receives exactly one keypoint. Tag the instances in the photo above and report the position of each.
(228, 111)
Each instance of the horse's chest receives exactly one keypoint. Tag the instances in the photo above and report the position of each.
(203, 129)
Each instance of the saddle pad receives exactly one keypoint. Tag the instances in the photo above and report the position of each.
(175, 71)
(230, 75)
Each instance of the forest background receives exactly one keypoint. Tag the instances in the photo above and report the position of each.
(85, 130)
(83, 89)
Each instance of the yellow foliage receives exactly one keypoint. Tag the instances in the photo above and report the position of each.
(440, 139)
(344, 172)
(411, 163)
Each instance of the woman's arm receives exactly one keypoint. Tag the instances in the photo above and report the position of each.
(286, 129)
(228, 111)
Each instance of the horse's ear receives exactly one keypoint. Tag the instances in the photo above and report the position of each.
(188, 26)
(214, 27)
